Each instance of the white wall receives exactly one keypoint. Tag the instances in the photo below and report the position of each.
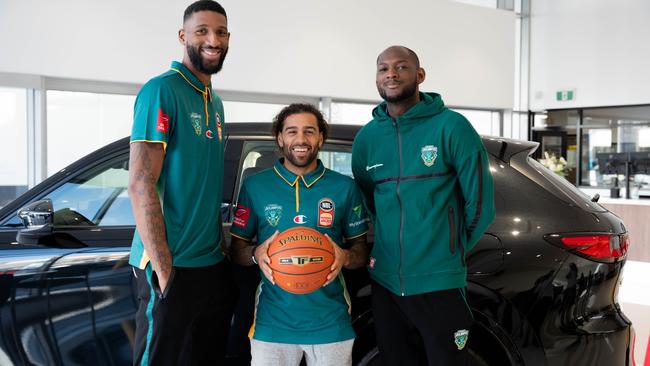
(296, 47)
(600, 48)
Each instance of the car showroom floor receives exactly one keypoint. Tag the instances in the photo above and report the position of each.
(634, 297)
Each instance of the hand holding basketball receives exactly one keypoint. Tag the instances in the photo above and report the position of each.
(340, 260)
(262, 257)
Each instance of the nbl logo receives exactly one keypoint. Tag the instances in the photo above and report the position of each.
(301, 260)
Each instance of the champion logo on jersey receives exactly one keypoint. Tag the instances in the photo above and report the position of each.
(208, 134)
(300, 219)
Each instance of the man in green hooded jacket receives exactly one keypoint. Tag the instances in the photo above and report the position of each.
(426, 180)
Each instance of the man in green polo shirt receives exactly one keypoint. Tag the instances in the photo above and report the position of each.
(185, 290)
(300, 191)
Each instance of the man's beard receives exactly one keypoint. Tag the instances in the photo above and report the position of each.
(299, 163)
(407, 93)
(197, 60)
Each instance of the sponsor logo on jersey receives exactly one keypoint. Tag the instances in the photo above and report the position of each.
(460, 338)
(241, 216)
(219, 130)
(429, 153)
(162, 125)
(301, 260)
(273, 213)
(368, 167)
(300, 219)
(195, 118)
(325, 212)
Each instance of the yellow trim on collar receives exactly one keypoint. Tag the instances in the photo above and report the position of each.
(205, 93)
(314, 181)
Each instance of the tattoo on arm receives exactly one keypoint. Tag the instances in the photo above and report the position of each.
(358, 252)
(146, 161)
(241, 251)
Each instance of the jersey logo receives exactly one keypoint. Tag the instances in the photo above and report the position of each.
(356, 212)
(196, 123)
(162, 124)
(208, 134)
(429, 153)
(460, 338)
(300, 219)
(325, 212)
(368, 167)
(241, 216)
(273, 213)
(218, 119)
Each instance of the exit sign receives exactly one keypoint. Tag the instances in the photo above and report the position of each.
(564, 95)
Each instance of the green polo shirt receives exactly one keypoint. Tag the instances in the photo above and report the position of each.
(183, 114)
(276, 199)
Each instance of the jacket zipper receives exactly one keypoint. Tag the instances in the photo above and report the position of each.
(401, 209)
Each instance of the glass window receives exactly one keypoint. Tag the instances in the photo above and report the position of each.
(79, 123)
(250, 112)
(13, 144)
(484, 122)
(351, 113)
(95, 198)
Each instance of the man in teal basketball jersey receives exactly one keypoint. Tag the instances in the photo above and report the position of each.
(185, 289)
(300, 191)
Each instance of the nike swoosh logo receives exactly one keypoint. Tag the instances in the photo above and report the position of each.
(373, 166)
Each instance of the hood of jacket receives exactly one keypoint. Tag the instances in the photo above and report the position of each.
(429, 105)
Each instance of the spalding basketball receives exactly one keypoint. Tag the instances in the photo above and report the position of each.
(301, 258)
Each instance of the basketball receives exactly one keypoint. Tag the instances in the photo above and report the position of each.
(301, 258)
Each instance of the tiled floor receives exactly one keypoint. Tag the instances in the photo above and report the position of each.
(634, 297)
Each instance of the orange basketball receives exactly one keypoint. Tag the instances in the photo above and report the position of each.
(301, 258)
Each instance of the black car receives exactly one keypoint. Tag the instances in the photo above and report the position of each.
(543, 280)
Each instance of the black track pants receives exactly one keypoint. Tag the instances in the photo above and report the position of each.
(189, 323)
(424, 329)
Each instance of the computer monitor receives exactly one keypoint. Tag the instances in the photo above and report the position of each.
(640, 162)
(612, 163)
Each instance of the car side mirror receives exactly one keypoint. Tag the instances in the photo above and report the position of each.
(37, 217)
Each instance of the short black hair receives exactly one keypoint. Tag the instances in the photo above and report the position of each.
(409, 51)
(295, 108)
(203, 5)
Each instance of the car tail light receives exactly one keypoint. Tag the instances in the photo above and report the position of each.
(597, 246)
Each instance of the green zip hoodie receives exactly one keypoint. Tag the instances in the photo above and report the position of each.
(427, 183)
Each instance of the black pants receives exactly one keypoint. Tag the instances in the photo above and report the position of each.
(189, 323)
(425, 329)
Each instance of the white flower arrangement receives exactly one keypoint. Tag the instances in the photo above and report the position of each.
(555, 164)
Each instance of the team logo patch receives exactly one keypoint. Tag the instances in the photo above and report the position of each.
(241, 216)
(429, 154)
(273, 213)
(196, 123)
(460, 338)
(300, 219)
(356, 212)
(162, 124)
(325, 212)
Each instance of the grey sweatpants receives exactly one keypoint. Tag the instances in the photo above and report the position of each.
(282, 354)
